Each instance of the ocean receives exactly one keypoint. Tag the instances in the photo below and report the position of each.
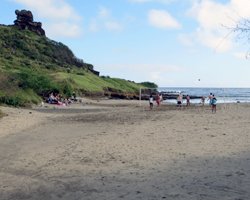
(223, 95)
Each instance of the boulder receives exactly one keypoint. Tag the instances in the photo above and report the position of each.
(25, 21)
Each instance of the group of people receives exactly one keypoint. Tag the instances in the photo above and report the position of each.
(211, 98)
(180, 100)
(212, 102)
(58, 100)
(158, 100)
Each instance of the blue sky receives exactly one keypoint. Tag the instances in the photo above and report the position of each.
(173, 43)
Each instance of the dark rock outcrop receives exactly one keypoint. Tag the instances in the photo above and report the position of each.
(25, 21)
(95, 72)
(165, 95)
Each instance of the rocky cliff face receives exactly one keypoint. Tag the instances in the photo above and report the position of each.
(25, 21)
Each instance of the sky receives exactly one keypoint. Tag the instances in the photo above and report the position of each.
(173, 43)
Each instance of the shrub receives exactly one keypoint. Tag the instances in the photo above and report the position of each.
(12, 100)
(149, 84)
(20, 98)
(40, 83)
(19, 44)
(1, 114)
(80, 73)
(67, 88)
(50, 66)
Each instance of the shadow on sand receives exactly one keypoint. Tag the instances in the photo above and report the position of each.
(210, 178)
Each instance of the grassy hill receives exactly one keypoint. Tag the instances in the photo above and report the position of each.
(32, 66)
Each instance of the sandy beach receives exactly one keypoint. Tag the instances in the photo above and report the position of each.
(114, 149)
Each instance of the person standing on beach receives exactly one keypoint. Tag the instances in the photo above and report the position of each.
(203, 100)
(158, 99)
(151, 102)
(179, 100)
(188, 100)
(209, 98)
(213, 104)
(161, 98)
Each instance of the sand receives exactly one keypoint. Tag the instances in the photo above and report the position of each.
(109, 150)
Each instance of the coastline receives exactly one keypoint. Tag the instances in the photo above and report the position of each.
(115, 149)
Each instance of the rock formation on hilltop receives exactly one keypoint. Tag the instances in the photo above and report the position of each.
(25, 21)
(54, 53)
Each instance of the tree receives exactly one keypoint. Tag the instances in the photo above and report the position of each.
(242, 31)
(149, 84)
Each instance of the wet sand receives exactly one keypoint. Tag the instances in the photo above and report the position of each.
(119, 150)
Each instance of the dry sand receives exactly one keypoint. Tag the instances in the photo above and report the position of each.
(109, 150)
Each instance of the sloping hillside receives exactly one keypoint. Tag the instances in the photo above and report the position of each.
(31, 66)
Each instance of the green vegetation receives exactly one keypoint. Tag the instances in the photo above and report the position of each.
(32, 66)
(149, 85)
(1, 114)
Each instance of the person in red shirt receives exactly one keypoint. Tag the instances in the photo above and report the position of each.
(158, 99)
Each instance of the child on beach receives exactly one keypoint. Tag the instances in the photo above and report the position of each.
(151, 102)
(213, 104)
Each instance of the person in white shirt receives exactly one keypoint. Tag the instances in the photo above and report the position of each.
(151, 102)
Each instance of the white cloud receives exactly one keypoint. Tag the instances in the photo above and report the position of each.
(241, 55)
(154, 1)
(162, 19)
(53, 9)
(60, 16)
(113, 26)
(64, 29)
(162, 73)
(213, 17)
(103, 12)
(104, 20)
(152, 68)
(94, 27)
(159, 73)
(186, 39)
(214, 40)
